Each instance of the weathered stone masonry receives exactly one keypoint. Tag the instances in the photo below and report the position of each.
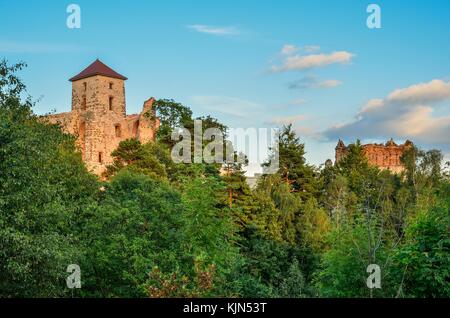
(385, 156)
(98, 116)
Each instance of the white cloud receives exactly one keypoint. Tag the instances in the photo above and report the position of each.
(434, 91)
(404, 113)
(208, 29)
(311, 81)
(303, 62)
(372, 105)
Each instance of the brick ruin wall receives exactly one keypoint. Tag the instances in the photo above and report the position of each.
(384, 156)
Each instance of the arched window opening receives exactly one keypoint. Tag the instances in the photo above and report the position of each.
(118, 130)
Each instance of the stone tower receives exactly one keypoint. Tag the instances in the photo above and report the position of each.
(98, 115)
(99, 88)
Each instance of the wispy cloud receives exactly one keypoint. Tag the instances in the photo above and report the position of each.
(432, 92)
(214, 30)
(311, 81)
(329, 83)
(289, 49)
(404, 113)
(294, 59)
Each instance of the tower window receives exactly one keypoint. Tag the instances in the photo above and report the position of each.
(117, 130)
(100, 157)
(83, 102)
(110, 85)
(110, 103)
(85, 86)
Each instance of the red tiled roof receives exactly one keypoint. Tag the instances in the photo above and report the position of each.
(97, 68)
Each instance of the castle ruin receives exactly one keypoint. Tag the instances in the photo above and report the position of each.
(384, 156)
(98, 116)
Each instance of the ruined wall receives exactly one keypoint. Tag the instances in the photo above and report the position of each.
(384, 156)
(147, 126)
(98, 119)
(341, 151)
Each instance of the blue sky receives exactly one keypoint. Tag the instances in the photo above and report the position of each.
(253, 63)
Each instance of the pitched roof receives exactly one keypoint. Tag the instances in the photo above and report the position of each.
(97, 68)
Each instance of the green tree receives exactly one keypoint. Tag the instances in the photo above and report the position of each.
(422, 263)
(285, 209)
(314, 225)
(172, 115)
(342, 271)
(151, 159)
(135, 227)
(293, 284)
(274, 268)
(44, 188)
(294, 171)
(144, 227)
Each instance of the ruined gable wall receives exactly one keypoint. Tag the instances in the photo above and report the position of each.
(387, 157)
(380, 155)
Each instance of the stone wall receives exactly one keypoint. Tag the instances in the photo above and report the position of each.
(384, 156)
(99, 120)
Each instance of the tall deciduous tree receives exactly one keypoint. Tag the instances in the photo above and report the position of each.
(44, 190)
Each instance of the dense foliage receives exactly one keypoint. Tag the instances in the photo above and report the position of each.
(155, 228)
